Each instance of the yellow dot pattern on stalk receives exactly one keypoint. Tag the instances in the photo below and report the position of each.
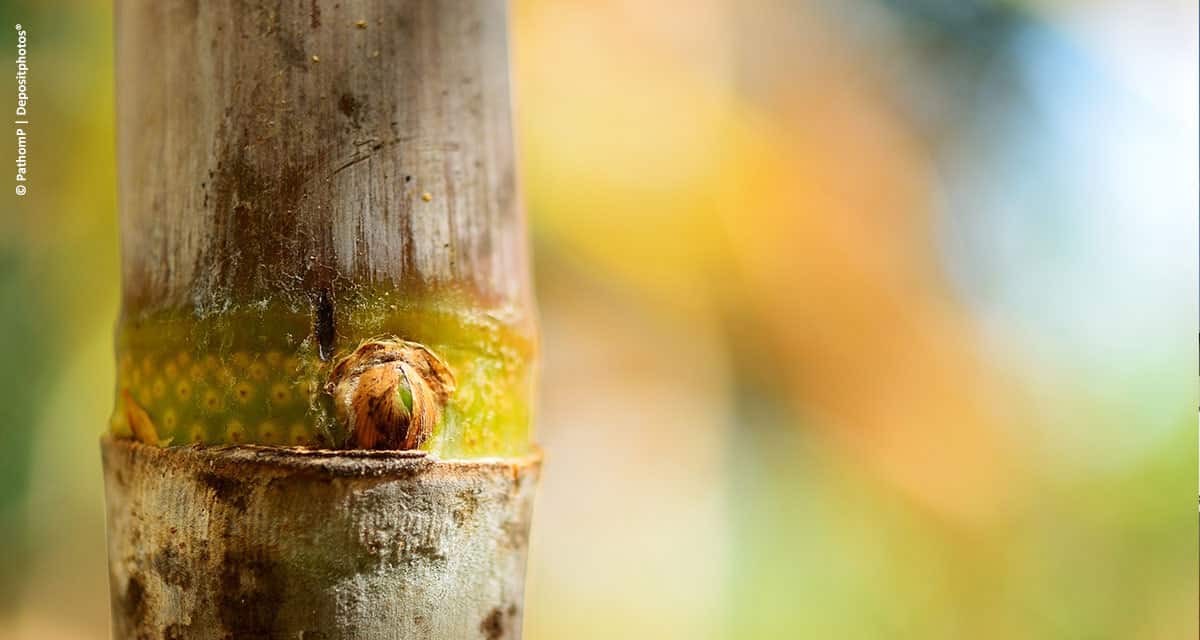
(211, 401)
(223, 375)
(268, 433)
(298, 435)
(170, 420)
(280, 395)
(240, 398)
(235, 432)
(244, 392)
(261, 381)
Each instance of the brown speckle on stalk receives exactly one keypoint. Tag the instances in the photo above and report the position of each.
(235, 574)
(369, 388)
(493, 625)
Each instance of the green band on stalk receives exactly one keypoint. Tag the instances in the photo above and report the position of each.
(253, 375)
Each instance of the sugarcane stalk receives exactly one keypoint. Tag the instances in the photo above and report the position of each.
(326, 345)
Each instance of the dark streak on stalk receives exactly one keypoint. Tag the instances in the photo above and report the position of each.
(324, 327)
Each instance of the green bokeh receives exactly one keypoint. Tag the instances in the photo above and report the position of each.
(814, 543)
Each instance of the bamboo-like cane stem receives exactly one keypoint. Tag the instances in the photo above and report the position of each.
(323, 247)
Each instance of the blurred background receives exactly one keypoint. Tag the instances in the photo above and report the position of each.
(862, 319)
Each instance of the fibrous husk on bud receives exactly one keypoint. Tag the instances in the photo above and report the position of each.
(390, 393)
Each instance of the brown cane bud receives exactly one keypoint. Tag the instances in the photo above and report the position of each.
(390, 393)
